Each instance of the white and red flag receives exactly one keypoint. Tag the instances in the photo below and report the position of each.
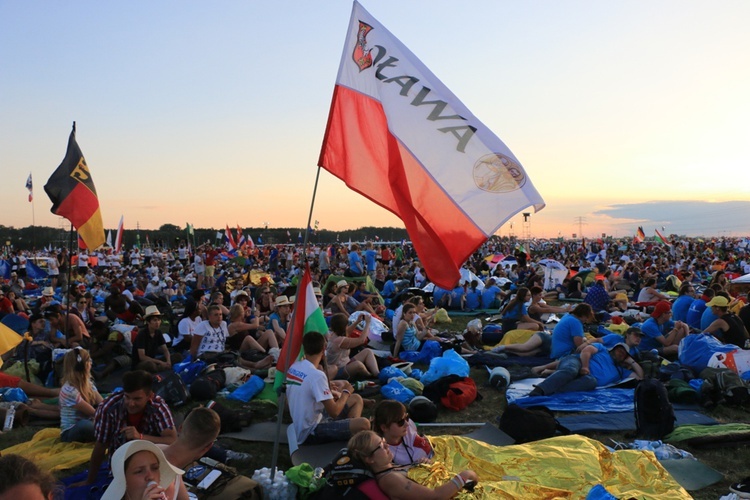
(399, 137)
(118, 238)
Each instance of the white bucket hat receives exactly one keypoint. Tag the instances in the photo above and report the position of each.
(167, 471)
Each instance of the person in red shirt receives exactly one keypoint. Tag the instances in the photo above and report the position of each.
(210, 260)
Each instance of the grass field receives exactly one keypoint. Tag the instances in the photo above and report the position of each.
(733, 462)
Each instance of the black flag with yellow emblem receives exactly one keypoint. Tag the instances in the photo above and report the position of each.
(73, 195)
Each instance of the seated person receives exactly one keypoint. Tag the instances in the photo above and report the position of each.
(619, 303)
(728, 327)
(660, 332)
(392, 422)
(491, 295)
(320, 414)
(597, 296)
(196, 438)
(539, 310)
(78, 398)
(372, 450)
(407, 335)
(140, 470)
(110, 347)
(135, 413)
(210, 336)
(649, 295)
(568, 333)
(515, 315)
(340, 342)
(150, 351)
(596, 366)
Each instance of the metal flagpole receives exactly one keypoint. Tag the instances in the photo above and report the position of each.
(282, 390)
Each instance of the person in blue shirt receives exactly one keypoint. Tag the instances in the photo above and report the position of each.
(491, 295)
(597, 296)
(473, 296)
(660, 332)
(632, 339)
(568, 334)
(682, 303)
(515, 316)
(596, 366)
(371, 258)
(458, 298)
(356, 267)
(695, 311)
(441, 297)
(389, 287)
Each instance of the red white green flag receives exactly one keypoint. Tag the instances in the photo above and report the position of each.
(661, 239)
(307, 317)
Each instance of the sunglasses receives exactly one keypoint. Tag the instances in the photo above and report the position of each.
(380, 445)
(402, 422)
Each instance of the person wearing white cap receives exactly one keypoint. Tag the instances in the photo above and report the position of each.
(141, 471)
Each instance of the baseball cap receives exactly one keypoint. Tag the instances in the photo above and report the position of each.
(661, 307)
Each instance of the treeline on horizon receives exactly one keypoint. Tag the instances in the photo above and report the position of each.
(170, 235)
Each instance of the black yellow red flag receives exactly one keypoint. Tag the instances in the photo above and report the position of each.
(73, 195)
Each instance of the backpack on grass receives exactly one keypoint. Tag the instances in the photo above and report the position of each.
(530, 424)
(654, 414)
(171, 388)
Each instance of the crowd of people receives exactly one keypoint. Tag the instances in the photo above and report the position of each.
(143, 311)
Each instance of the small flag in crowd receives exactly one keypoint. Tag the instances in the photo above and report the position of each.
(73, 195)
(397, 135)
(120, 231)
(30, 187)
(640, 236)
(307, 317)
(660, 238)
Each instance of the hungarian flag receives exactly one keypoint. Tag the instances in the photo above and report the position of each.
(399, 137)
(661, 239)
(73, 195)
(307, 317)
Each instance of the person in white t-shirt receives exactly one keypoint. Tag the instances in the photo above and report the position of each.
(320, 414)
(210, 336)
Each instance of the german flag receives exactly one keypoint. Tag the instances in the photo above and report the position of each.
(73, 195)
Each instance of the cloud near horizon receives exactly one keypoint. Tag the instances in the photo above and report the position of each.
(688, 217)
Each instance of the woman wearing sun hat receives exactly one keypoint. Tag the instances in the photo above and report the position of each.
(141, 471)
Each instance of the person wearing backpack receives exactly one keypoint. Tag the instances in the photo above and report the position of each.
(596, 366)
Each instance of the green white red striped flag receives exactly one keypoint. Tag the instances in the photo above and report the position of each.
(307, 317)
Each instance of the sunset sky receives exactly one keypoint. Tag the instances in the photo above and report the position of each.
(213, 113)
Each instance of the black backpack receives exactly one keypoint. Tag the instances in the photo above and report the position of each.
(343, 477)
(170, 387)
(530, 424)
(654, 414)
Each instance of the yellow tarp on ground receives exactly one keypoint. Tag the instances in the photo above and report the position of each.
(47, 451)
(560, 467)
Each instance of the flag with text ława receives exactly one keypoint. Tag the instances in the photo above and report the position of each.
(73, 195)
(399, 137)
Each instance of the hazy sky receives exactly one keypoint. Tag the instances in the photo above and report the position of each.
(213, 112)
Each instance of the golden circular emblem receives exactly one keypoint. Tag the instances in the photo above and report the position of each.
(497, 173)
(342, 460)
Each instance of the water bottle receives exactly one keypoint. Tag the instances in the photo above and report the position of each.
(10, 415)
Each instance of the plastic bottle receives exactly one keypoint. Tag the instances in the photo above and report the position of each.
(10, 415)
